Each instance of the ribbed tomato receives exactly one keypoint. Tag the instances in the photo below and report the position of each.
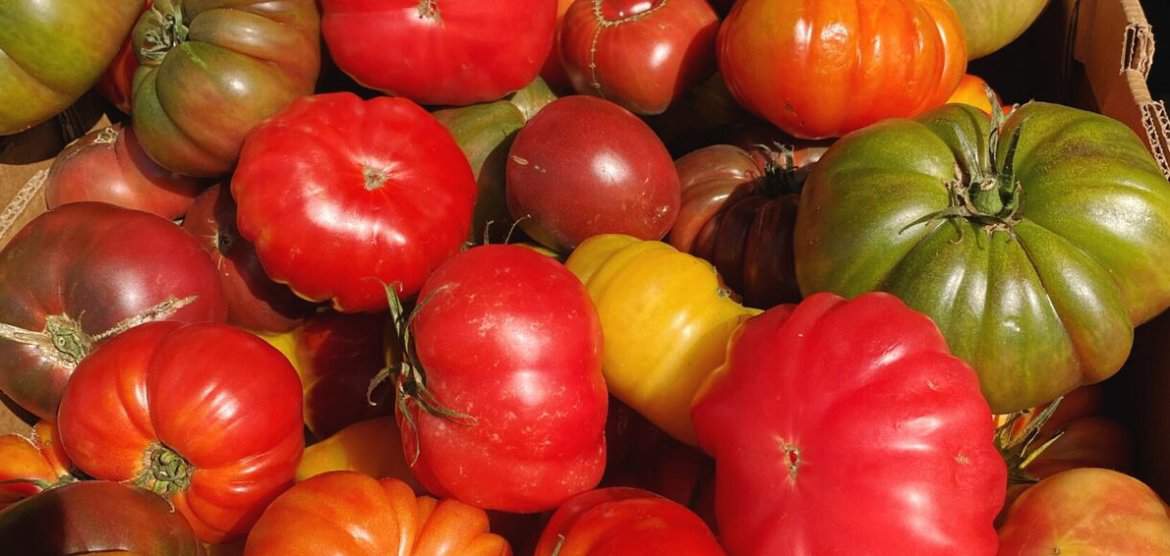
(29, 465)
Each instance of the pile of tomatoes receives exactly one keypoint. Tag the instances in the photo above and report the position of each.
(587, 277)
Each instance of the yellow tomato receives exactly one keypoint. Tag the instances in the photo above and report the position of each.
(666, 318)
(285, 343)
(372, 447)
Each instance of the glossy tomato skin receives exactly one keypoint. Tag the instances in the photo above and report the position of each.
(205, 415)
(29, 465)
(254, 301)
(509, 337)
(96, 517)
(379, 189)
(53, 52)
(625, 522)
(440, 52)
(992, 24)
(641, 55)
(71, 275)
(109, 166)
(118, 80)
(823, 68)
(837, 424)
(222, 68)
(349, 514)
(585, 166)
(1086, 511)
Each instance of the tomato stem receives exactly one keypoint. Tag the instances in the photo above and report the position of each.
(165, 31)
(1015, 438)
(165, 471)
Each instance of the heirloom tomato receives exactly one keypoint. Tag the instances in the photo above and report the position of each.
(989, 25)
(372, 447)
(118, 80)
(666, 318)
(502, 403)
(1035, 244)
(96, 517)
(823, 68)
(29, 465)
(73, 278)
(378, 189)
(349, 514)
(625, 522)
(53, 51)
(842, 424)
(109, 166)
(553, 72)
(973, 91)
(641, 55)
(205, 415)
(449, 52)
(210, 71)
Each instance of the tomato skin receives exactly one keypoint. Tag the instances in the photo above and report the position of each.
(74, 266)
(118, 80)
(640, 55)
(371, 447)
(32, 465)
(1086, 511)
(449, 52)
(972, 91)
(585, 166)
(380, 185)
(553, 71)
(992, 24)
(527, 369)
(863, 431)
(96, 517)
(823, 68)
(219, 399)
(625, 522)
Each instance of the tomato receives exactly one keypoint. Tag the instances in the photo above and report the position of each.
(210, 71)
(625, 522)
(32, 465)
(509, 411)
(738, 211)
(1018, 251)
(641, 55)
(118, 80)
(52, 52)
(989, 25)
(350, 514)
(453, 52)
(973, 91)
(1087, 511)
(254, 301)
(378, 186)
(205, 415)
(109, 166)
(96, 517)
(553, 71)
(666, 318)
(585, 166)
(837, 424)
(823, 68)
(70, 279)
(371, 447)
(485, 133)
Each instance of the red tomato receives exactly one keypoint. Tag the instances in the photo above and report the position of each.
(509, 339)
(625, 522)
(553, 71)
(116, 84)
(639, 54)
(449, 52)
(109, 166)
(206, 415)
(823, 68)
(843, 424)
(254, 301)
(585, 166)
(340, 196)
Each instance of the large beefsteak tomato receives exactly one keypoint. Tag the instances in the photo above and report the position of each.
(340, 196)
(206, 415)
(843, 424)
(211, 70)
(1035, 244)
(82, 273)
(823, 68)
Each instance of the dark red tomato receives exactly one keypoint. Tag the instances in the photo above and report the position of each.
(116, 84)
(639, 54)
(585, 166)
(338, 355)
(448, 52)
(205, 415)
(82, 273)
(340, 196)
(508, 339)
(109, 166)
(254, 301)
(625, 522)
(842, 424)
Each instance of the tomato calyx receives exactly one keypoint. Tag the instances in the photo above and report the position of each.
(165, 30)
(429, 9)
(166, 472)
(1015, 435)
(782, 173)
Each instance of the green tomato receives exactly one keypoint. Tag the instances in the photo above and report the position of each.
(1036, 262)
(991, 24)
